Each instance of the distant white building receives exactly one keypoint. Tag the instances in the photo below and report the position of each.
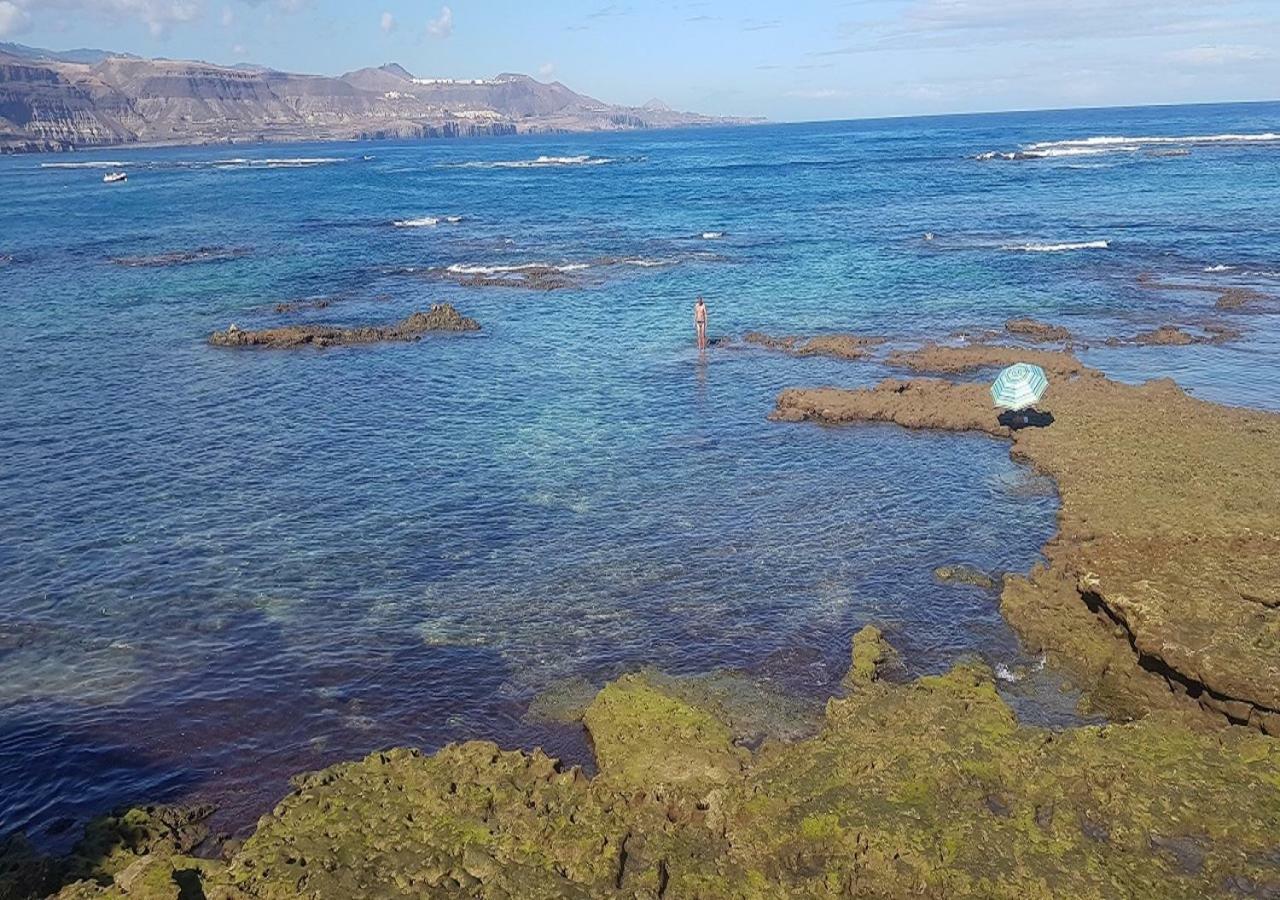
(462, 81)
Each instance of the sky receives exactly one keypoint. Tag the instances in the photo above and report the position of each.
(797, 61)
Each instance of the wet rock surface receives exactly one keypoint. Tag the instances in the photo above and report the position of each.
(930, 789)
(1161, 586)
(440, 318)
(1227, 297)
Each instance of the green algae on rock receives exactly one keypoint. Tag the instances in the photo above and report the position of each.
(871, 656)
(929, 789)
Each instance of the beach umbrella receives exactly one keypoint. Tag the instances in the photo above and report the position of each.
(1019, 386)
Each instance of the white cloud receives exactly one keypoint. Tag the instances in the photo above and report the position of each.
(157, 15)
(13, 19)
(1057, 19)
(546, 70)
(818, 94)
(387, 23)
(239, 51)
(442, 25)
(228, 16)
(1219, 55)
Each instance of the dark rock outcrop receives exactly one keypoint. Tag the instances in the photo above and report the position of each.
(965, 574)
(441, 317)
(1034, 330)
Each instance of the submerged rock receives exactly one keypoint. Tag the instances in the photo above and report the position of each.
(441, 317)
(293, 306)
(1162, 582)
(1174, 336)
(183, 257)
(840, 346)
(963, 574)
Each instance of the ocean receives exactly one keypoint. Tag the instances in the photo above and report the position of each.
(222, 567)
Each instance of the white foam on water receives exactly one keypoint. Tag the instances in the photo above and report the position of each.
(1219, 268)
(426, 221)
(1101, 144)
(465, 269)
(1057, 248)
(542, 162)
(288, 162)
(712, 235)
(84, 165)
(1004, 673)
(646, 263)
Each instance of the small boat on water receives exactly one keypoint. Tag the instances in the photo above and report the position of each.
(113, 177)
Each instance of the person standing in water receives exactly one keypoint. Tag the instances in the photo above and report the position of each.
(700, 322)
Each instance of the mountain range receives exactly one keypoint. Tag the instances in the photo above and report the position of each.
(64, 100)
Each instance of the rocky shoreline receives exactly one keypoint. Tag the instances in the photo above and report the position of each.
(930, 788)
(1161, 585)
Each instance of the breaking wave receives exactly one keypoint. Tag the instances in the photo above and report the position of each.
(101, 164)
(1032, 247)
(464, 269)
(712, 235)
(1094, 146)
(285, 162)
(426, 221)
(543, 162)
(644, 263)
(299, 162)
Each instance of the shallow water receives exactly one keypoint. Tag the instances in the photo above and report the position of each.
(219, 568)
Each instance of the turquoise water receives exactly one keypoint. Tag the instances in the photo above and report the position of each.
(218, 568)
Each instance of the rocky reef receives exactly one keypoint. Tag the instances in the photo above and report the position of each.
(1162, 587)
(840, 346)
(927, 789)
(441, 317)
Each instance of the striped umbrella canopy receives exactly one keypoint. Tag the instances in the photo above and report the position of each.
(1019, 386)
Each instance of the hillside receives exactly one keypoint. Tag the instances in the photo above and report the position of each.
(92, 98)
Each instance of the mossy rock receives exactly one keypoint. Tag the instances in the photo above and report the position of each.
(644, 736)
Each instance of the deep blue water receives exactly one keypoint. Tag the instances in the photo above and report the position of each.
(218, 568)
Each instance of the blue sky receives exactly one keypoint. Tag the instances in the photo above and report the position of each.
(797, 61)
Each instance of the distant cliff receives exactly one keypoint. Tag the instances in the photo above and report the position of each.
(84, 98)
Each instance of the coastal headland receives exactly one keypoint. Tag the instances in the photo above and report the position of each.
(1159, 598)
